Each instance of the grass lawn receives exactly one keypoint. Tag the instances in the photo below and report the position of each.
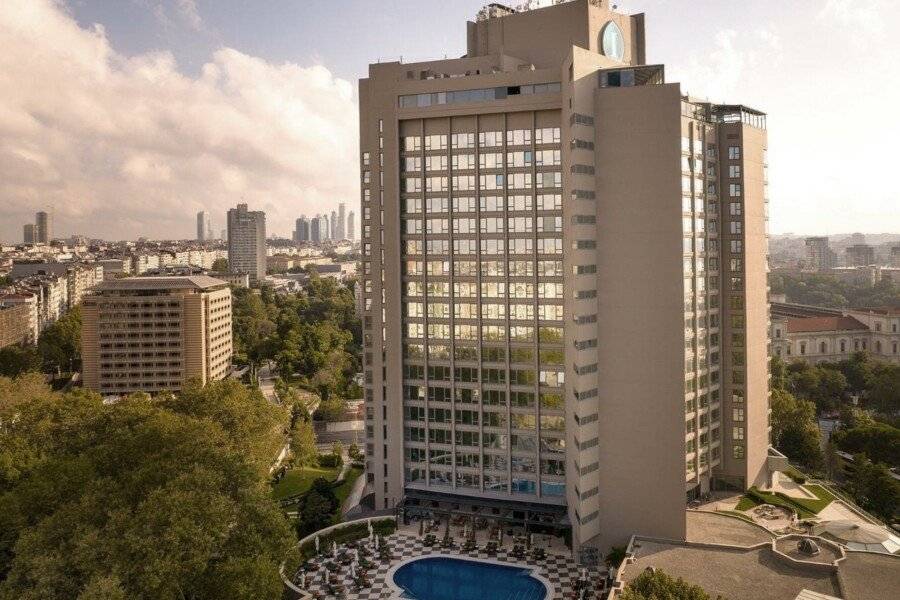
(747, 502)
(297, 481)
(804, 507)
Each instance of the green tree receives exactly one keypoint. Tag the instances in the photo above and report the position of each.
(858, 371)
(303, 444)
(795, 431)
(884, 392)
(878, 441)
(314, 512)
(657, 585)
(779, 372)
(220, 265)
(16, 360)
(146, 498)
(874, 488)
(60, 344)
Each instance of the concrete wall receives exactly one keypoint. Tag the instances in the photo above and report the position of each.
(641, 313)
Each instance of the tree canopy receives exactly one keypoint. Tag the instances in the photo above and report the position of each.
(60, 344)
(828, 291)
(163, 498)
(313, 335)
(658, 585)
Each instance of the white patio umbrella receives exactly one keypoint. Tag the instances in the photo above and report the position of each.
(860, 536)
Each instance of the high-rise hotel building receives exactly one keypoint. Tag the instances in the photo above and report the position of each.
(564, 281)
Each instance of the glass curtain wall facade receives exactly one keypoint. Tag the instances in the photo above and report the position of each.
(483, 374)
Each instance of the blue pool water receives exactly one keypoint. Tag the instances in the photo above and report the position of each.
(444, 578)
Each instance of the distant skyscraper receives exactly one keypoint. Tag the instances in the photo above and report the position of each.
(301, 230)
(28, 233)
(860, 255)
(247, 242)
(315, 231)
(351, 226)
(223, 235)
(342, 221)
(334, 226)
(819, 256)
(204, 226)
(324, 228)
(43, 228)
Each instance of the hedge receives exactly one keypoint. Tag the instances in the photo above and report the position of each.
(342, 535)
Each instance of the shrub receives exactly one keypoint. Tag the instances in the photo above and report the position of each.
(329, 461)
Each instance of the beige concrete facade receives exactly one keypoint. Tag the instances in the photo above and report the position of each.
(149, 334)
(829, 335)
(15, 324)
(552, 248)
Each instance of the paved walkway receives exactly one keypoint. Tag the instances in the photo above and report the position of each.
(267, 383)
(784, 484)
(711, 528)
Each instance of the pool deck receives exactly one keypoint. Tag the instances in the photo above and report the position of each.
(558, 570)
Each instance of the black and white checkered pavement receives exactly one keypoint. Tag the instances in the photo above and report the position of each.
(560, 570)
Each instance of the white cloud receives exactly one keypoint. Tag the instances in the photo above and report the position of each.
(125, 146)
(855, 19)
(189, 12)
(718, 75)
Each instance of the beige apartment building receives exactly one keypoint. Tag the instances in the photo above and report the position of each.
(15, 323)
(563, 281)
(149, 334)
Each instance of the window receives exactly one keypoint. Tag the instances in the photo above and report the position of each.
(490, 160)
(734, 152)
(489, 139)
(734, 171)
(518, 137)
(462, 140)
(412, 143)
(734, 190)
(436, 163)
(436, 142)
(519, 158)
(463, 161)
(547, 135)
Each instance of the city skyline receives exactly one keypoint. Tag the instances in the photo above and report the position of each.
(147, 174)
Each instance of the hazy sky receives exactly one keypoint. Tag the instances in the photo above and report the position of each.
(128, 116)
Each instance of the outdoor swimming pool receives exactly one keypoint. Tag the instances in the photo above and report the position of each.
(445, 578)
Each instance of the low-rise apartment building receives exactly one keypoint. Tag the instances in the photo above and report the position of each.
(14, 324)
(149, 334)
